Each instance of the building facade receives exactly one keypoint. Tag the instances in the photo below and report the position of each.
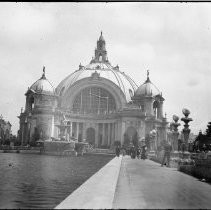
(97, 102)
(5, 130)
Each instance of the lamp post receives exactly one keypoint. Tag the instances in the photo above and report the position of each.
(153, 134)
(175, 132)
(186, 130)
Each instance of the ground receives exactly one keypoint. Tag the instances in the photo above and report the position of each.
(145, 184)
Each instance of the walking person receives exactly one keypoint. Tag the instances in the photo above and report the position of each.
(143, 152)
(167, 154)
(138, 152)
(123, 151)
(133, 152)
(117, 151)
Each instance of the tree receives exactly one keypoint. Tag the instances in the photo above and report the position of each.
(200, 140)
(208, 130)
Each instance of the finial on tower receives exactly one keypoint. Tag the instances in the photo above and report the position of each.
(148, 80)
(101, 37)
(43, 75)
(80, 66)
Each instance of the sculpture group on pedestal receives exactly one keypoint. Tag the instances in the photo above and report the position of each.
(179, 141)
(175, 132)
(186, 130)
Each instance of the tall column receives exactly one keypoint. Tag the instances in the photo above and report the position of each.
(113, 133)
(161, 110)
(82, 131)
(52, 127)
(106, 134)
(77, 130)
(71, 129)
(65, 133)
(116, 131)
(122, 132)
(22, 135)
(109, 134)
(96, 134)
(103, 134)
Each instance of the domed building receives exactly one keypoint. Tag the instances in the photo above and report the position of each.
(98, 103)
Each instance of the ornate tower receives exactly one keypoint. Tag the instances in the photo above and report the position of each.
(150, 100)
(37, 120)
(100, 51)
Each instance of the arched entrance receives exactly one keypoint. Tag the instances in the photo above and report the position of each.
(131, 136)
(90, 135)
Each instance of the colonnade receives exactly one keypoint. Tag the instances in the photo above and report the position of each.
(102, 134)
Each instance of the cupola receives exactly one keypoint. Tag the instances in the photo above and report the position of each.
(42, 85)
(147, 88)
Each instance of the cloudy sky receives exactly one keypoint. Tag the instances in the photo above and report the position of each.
(172, 40)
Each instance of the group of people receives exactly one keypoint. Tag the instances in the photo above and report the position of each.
(133, 152)
(141, 152)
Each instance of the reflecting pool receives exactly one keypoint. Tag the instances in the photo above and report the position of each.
(41, 181)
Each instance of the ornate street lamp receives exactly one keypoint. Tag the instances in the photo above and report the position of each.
(186, 130)
(153, 134)
(175, 132)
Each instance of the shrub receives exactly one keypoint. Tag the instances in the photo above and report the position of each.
(200, 172)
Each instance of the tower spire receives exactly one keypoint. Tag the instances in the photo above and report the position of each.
(43, 74)
(100, 51)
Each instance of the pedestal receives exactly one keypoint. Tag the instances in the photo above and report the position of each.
(175, 135)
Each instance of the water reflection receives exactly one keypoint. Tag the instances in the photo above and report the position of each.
(39, 181)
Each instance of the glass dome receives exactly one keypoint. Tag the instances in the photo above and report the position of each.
(101, 65)
(124, 82)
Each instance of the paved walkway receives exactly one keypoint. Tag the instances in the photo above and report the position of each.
(145, 184)
(125, 183)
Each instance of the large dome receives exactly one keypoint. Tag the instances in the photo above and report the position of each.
(43, 86)
(126, 84)
(101, 65)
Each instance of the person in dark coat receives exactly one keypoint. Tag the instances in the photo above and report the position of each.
(143, 152)
(117, 151)
(133, 152)
(138, 152)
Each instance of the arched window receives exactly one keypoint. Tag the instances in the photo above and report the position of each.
(94, 100)
(156, 107)
(31, 103)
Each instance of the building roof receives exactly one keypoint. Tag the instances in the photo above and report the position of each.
(42, 85)
(102, 66)
(147, 88)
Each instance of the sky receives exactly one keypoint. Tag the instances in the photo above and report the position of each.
(172, 40)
